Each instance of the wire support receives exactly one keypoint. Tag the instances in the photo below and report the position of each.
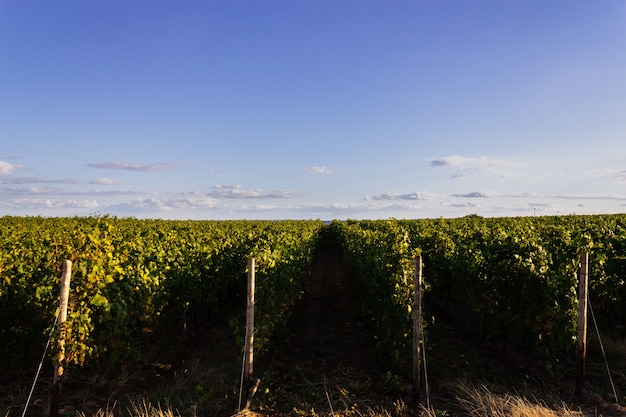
(243, 367)
(427, 386)
(606, 362)
(43, 357)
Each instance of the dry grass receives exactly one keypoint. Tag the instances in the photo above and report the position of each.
(136, 409)
(483, 402)
(470, 400)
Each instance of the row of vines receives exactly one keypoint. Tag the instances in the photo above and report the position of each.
(510, 280)
(136, 280)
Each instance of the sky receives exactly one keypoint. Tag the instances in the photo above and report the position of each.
(312, 109)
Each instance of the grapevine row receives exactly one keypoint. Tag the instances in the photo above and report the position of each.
(509, 280)
(135, 279)
(513, 280)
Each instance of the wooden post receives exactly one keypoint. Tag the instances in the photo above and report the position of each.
(58, 369)
(249, 348)
(248, 363)
(417, 328)
(581, 355)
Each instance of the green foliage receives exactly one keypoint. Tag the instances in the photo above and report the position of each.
(519, 276)
(380, 257)
(514, 280)
(134, 280)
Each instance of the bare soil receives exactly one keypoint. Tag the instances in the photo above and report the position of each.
(326, 327)
(326, 363)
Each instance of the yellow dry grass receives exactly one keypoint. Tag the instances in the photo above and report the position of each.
(482, 402)
(137, 409)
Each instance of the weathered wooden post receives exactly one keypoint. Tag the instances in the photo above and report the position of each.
(581, 355)
(248, 370)
(417, 328)
(58, 369)
(249, 348)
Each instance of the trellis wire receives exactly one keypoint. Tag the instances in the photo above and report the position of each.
(43, 357)
(425, 373)
(606, 363)
(243, 367)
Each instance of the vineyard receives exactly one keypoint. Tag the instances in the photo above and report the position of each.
(505, 282)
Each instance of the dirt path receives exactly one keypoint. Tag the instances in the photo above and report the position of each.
(325, 363)
(326, 325)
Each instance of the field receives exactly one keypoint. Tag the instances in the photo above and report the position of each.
(157, 312)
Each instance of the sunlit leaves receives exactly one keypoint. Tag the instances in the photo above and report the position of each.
(131, 277)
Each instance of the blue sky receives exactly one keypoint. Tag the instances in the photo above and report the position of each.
(298, 109)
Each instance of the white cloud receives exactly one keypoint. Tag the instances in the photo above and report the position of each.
(395, 196)
(354, 209)
(318, 170)
(30, 180)
(237, 191)
(539, 205)
(133, 166)
(471, 162)
(477, 166)
(473, 194)
(47, 203)
(8, 169)
(104, 181)
(521, 195)
(81, 203)
(33, 191)
(168, 204)
(462, 175)
(620, 175)
(589, 197)
(460, 205)
(8, 193)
